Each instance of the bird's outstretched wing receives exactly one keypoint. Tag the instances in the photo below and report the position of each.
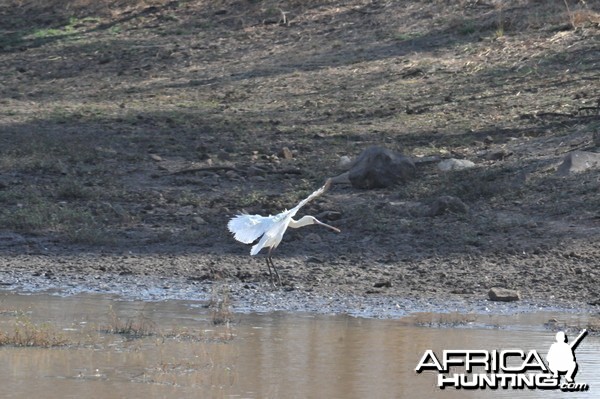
(314, 195)
(247, 228)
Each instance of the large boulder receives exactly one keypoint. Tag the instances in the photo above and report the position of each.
(378, 167)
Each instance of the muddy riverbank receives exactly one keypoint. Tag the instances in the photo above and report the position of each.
(142, 278)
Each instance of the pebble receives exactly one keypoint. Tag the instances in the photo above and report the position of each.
(455, 164)
(344, 162)
(286, 153)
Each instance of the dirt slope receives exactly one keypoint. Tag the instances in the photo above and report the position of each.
(132, 131)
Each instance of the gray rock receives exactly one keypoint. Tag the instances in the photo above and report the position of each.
(447, 204)
(455, 164)
(378, 167)
(503, 295)
(578, 161)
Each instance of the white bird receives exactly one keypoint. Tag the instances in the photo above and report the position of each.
(248, 228)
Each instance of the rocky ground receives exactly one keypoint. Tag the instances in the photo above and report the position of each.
(131, 131)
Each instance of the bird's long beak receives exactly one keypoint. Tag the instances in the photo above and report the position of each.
(328, 226)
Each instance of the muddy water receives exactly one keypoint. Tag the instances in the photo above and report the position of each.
(273, 355)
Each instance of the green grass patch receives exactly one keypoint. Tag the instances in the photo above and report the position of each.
(72, 26)
(467, 28)
(405, 36)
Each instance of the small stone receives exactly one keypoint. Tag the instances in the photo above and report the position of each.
(578, 161)
(199, 220)
(455, 164)
(156, 158)
(286, 153)
(503, 295)
(344, 162)
(447, 204)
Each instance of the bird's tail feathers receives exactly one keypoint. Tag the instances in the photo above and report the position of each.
(259, 245)
(247, 228)
(255, 249)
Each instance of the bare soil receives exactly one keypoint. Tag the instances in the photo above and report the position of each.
(132, 131)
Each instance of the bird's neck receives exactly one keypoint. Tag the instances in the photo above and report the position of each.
(304, 221)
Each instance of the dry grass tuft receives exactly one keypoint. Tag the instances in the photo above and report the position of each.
(137, 327)
(220, 305)
(27, 333)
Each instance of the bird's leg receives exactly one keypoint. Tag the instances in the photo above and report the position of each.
(276, 272)
(270, 273)
(269, 259)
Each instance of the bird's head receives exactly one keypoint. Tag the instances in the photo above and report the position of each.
(306, 220)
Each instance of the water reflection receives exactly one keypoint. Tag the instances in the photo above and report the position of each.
(271, 356)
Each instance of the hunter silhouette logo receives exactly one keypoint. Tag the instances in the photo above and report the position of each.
(561, 356)
(507, 368)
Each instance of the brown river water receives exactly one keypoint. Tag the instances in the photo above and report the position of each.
(183, 354)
